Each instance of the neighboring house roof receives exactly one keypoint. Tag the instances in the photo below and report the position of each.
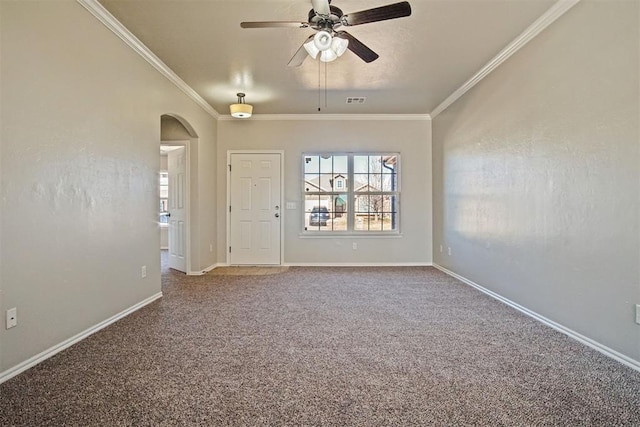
(325, 183)
(366, 187)
(322, 182)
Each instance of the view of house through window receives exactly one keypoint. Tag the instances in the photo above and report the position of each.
(351, 192)
(164, 197)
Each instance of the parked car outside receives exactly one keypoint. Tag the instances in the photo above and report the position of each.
(319, 215)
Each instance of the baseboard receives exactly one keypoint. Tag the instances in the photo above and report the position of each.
(625, 360)
(336, 264)
(206, 270)
(357, 264)
(218, 265)
(29, 363)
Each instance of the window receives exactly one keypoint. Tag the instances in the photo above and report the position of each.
(351, 192)
(164, 197)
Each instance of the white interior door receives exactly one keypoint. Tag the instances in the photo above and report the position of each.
(255, 209)
(177, 169)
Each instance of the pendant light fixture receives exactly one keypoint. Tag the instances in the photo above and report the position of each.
(329, 47)
(241, 110)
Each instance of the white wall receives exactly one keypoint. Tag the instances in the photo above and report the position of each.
(80, 140)
(536, 176)
(412, 138)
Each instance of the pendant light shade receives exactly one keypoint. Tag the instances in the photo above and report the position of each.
(311, 49)
(241, 110)
(322, 40)
(328, 55)
(339, 45)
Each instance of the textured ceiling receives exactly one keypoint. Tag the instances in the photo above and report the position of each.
(423, 58)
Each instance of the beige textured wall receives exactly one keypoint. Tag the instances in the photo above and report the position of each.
(80, 145)
(412, 138)
(536, 176)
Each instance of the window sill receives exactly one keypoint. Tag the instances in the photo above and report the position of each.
(348, 235)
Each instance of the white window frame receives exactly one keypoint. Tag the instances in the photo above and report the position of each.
(351, 193)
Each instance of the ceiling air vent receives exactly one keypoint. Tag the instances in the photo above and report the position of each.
(356, 100)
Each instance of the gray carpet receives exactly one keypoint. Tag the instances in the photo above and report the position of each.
(324, 346)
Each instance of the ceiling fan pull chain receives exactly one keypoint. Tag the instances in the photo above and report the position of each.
(319, 86)
(325, 85)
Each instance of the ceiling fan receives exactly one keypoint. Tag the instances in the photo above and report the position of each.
(328, 42)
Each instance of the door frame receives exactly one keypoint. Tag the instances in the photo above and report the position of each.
(282, 210)
(187, 217)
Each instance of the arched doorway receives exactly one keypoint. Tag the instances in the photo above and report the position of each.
(177, 155)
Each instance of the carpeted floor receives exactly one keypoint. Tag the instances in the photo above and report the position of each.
(324, 346)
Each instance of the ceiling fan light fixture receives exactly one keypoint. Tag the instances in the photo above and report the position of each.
(328, 55)
(241, 110)
(322, 40)
(339, 45)
(311, 49)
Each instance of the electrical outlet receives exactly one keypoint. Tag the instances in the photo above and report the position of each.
(143, 271)
(449, 250)
(638, 314)
(355, 246)
(12, 317)
(440, 248)
(211, 248)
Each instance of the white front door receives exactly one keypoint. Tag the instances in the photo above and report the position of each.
(177, 169)
(255, 209)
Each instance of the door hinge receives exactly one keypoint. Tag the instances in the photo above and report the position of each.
(229, 168)
(229, 249)
(229, 208)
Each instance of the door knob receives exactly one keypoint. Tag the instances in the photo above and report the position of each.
(277, 215)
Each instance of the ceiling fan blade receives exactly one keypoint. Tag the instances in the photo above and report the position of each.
(321, 7)
(274, 24)
(299, 57)
(382, 13)
(359, 48)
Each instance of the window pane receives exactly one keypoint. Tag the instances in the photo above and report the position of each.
(389, 164)
(326, 212)
(388, 183)
(340, 165)
(311, 164)
(375, 181)
(339, 212)
(326, 182)
(360, 164)
(311, 182)
(390, 213)
(375, 212)
(361, 182)
(326, 164)
(316, 211)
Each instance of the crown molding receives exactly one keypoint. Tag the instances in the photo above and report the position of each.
(109, 21)
(547, 18)
(336, 117)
